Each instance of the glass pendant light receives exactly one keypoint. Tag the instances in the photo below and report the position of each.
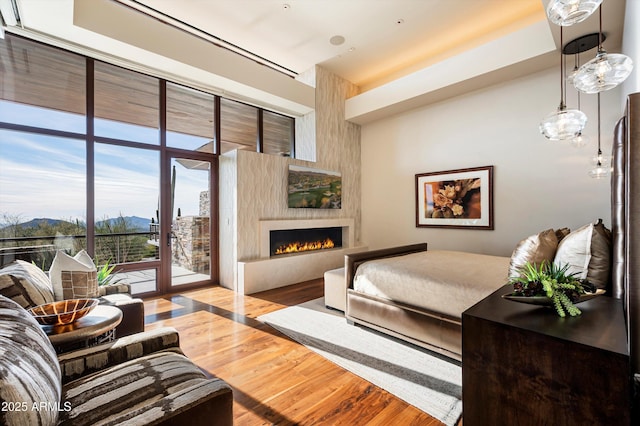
(569, 12)
(603, 72)
(565, 123)
(602, 165)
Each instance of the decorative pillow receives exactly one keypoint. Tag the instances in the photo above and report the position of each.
(26, 284)
(73, 277)
(587, 251)
(30, 378)
(561, 233)
(534, 249)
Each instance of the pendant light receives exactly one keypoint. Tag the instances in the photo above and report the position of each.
(602, 165)
(604, 72)
(569, 12)
(564, 123)
(575, 48)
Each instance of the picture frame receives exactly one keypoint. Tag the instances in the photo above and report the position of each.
(461, 198)
(312, 188)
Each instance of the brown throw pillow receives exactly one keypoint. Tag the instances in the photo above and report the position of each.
(587, 251)
(534, 249)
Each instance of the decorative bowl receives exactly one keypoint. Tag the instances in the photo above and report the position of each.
(545, 301)
(63, 312)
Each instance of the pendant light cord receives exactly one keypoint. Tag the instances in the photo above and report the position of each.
(599, 150)
(562, 104)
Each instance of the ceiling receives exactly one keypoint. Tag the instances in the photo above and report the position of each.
(368, 42)
(386, 42)
(364, 41)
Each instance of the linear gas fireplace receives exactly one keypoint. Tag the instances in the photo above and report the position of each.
(291, 241)
(270, 270)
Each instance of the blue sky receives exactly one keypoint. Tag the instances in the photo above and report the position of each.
(44, 176)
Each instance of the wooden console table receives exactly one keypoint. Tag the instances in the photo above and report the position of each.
(525, 365)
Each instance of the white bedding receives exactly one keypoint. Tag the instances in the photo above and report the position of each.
(443, 281)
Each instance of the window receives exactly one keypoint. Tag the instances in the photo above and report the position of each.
(43, 194)
(190, 119)
(238, 126)
(126, 199)
(126, 105)
(278, 134)
(42, 86)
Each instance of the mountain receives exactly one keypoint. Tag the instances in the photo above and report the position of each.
(138, 223)
(135, 222)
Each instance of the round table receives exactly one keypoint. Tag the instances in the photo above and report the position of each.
(98, 326)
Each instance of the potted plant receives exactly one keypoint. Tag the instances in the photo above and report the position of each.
(105, 275)
(554, 282)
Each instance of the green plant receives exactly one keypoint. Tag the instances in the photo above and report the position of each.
(553, 281)
(105, 274)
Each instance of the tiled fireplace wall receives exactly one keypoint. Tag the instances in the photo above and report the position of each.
(253, 186)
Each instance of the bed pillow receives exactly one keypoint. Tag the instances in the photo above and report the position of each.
(587, 251)
(25, 283)
(73, 277)
(534, 249)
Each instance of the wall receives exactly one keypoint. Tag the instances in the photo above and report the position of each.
(538, 184)
(631, 45)
(253, 186)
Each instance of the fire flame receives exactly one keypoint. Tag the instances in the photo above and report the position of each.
(308, 246)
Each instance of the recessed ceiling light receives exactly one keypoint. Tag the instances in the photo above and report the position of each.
(286, 6)
(399, 21)
(336, 40)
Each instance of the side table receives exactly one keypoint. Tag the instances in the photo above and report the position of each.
(525, 365)
(98, 326)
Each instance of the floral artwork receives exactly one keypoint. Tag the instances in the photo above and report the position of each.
(455, 198)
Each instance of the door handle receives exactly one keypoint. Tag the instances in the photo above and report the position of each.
(168, 239)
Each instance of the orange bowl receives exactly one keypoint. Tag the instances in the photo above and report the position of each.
(63, 312)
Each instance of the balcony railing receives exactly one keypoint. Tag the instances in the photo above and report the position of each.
(114, 248)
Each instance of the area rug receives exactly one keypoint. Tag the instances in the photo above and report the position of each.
(421, 378)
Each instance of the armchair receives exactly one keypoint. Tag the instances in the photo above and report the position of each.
(29, 286)
(141, 379)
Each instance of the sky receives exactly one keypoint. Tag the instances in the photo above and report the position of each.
(45, 176)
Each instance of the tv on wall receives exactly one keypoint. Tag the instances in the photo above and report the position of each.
(311, 188)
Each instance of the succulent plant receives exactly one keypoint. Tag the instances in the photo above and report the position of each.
(553, 281)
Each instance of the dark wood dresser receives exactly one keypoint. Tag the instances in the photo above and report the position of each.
(525, 365)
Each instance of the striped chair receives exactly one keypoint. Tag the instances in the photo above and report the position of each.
(29, 286)
(142, 379)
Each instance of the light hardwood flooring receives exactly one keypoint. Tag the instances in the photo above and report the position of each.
(274, 379)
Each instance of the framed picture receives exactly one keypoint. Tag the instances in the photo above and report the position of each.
(311, 188)
(455, 198)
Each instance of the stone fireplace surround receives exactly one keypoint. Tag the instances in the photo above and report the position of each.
(267, 272)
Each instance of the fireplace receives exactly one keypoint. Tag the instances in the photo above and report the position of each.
(291, 241)
(267, 271)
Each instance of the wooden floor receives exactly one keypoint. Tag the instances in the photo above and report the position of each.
(274, 379)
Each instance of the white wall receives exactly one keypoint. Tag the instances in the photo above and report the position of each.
(631, 45)
(538, 184)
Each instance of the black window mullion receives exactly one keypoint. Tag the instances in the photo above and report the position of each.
(260, 136)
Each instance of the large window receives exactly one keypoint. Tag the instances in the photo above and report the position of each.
(83, 151)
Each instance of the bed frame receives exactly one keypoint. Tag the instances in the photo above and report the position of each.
(443, 334)
(432, 330)
(625, 222)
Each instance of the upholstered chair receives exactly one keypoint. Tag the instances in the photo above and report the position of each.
(29, 286)
(142, 379)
